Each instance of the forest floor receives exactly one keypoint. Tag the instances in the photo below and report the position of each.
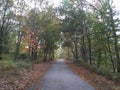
(27, 77)
(24, 78)
(98, 81)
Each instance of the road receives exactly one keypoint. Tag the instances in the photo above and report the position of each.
(60, 77)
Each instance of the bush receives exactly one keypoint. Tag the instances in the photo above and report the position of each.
(116, 77)
(105, 72)
(38, 60)
(91, 68)
(23, 64)
(23, 56)
(7, 64)
(101, 71)
(10, 64)
(6, 57)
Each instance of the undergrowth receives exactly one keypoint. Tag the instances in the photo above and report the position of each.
(11, 64)
(105, 72)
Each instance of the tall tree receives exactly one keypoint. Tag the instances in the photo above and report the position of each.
(5, 19)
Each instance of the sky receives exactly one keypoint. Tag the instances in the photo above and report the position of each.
(56, 2)
(116, 3)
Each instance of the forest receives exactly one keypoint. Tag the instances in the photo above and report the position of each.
(32, 31)
(90, 33)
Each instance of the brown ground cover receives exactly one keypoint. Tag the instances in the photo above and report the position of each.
(98, 81)
(25, 77)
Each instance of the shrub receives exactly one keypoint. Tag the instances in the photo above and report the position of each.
(23, 64)
(23, 56)
(7, 64)
(38, 60)
(91, 68)
(116, 77)
(105, 72)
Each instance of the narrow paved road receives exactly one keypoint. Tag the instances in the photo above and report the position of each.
(60, 77)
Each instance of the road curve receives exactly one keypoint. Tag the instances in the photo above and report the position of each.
(60, 77)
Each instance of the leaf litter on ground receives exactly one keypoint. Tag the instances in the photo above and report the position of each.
(98, 81)
(24, 78)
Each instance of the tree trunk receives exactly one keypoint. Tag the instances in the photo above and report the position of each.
(89, 46)
(1, 43)
(18, 46)
(83, 50)
(76, 50)
(115, 40)
(68, 52)
(99, 59)
(109, 50)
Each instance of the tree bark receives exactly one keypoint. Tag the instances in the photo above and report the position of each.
(89, 45)
(76, 50)
(99, 59)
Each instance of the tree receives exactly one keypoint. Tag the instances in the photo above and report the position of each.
(93, 29)
(5, 25)
(20, 19)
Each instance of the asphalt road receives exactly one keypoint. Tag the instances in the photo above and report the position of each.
(60, 77)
